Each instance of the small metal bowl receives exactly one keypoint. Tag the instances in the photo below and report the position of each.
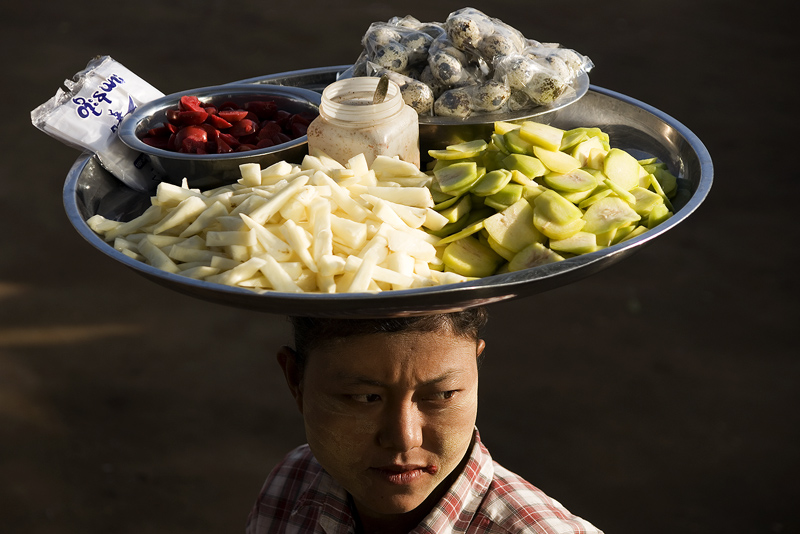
(205, 171)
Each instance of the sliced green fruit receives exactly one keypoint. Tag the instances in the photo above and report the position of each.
(506, 254)
(469, 149)
(622, 168)
(603, 136)
(578, 243)
(532, 190)
(571, 182)
(516, 144)
(468, 230)
(526, 164)
(656, 185)
(578, 196)
(556, 161)
(533, 255)
(513, 227)
(499, 141)
(457, 176)
(571, 138)
(657, 215)
(470, 257)
(556, 208)
(668, 181)
(604, 239)
(619, 191)
(503, 127)
(596, 158)
(491, 182)
(505, 197)
(542, 135)
(473, 216)
(639, 230)
(457, 209)
(600, 193)
(621, 233)
(608, 214)
(583, 149)
(555, 216)
(644, 200)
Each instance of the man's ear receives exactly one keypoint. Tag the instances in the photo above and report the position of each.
(287, 359)
(481, 346)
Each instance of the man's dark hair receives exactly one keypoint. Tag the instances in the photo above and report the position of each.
(310, 332)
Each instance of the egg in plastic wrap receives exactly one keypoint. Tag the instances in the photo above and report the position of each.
(470, 64)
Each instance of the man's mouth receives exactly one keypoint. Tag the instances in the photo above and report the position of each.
(404, 474)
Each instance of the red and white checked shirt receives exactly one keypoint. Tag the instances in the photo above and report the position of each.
(299, 497)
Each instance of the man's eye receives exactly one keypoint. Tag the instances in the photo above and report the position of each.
(444, 395)
(366, 398)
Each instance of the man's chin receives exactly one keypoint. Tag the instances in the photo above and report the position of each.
(390, 505)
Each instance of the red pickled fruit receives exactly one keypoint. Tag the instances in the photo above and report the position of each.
(263, 109)
(172, 115)
(225, 106)
(195, 133)
(268, 129)
(243, 127)
(232, 115)
(159, 131)
(282, 117)
(157, 142)
(222, 146)
(301, 118)
(190, 103)
(245, 148)
(282, 138)
(191, 145)
(265, 143)
(298, 129)
(218, 122)
(191, 117)
(229, 139)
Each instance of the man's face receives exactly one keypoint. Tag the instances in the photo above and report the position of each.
(390, 416)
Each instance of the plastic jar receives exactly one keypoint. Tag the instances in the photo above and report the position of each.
(350, 124)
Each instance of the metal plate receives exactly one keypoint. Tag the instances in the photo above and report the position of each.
(631, 124)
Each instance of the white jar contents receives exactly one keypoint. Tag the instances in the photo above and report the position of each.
(350, 124)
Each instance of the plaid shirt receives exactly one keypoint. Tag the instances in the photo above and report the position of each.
(299, 497)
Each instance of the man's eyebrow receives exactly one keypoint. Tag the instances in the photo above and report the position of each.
(356, 379)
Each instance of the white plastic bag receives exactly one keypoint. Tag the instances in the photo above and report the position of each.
(87, 114)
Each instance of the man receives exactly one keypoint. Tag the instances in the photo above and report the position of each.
(389, 408)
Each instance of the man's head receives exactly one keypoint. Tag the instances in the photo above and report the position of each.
(389, 405)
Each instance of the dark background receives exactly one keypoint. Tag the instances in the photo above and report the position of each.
(658, 396)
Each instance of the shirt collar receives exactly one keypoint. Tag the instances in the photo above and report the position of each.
(457, 507)
(451, 514)
(331, 501)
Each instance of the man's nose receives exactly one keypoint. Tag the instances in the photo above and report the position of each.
(401, 428)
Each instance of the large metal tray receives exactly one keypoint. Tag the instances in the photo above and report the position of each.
(631, 124)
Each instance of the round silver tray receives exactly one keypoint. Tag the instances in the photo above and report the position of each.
(435, 132)
(632, 125)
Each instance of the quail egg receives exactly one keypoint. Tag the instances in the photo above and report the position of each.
(490, 96)
(392, 56)
(446, 68)
(453, 103)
